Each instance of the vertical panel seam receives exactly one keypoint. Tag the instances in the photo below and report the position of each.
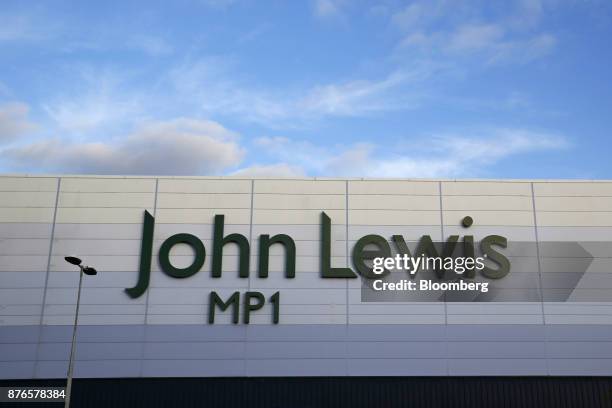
(537, 240)
(346, 240)
(442, 239)
(146, 315)
(44, 298)
(154, 215)
(246, 329)
(445, 306)
(252, 252)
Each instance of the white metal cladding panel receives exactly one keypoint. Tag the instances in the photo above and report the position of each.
(92, 213)
(29, 184)
(325, 328)
(31, 201)
(404, 312)
(305, 187)
(393, 203)
(480, 188)
(294, 208)
(573, 204)
(573, 189)
(393, 187)
(204, 185)
(491, 205)
(26, 222)
(108, 184)
(577, 212)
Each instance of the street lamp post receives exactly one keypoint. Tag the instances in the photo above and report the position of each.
(87, 270)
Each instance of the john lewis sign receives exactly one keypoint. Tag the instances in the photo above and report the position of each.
(365, 250)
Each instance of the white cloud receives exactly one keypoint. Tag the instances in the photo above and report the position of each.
(442, 156)
(495, 43)
(461, 33)
(487, 44)
(461, 156)
(14, 121)
(422, 13)
(417, 39)
(309, 158)
(451, 157)
(270, 170)
(500, 143)
(101, 100)
(328, 8)
(413, 15)
(89, 112)
(198, 147)
(475, 37)
(353, 97)
(523, 51)
(218, 90)
(178, 147)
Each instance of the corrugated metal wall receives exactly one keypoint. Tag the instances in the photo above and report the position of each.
(325, 328)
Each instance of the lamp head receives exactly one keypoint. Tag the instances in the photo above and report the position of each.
(73, 260)
(88, 270)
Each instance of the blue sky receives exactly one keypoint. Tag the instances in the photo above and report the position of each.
(478, 89)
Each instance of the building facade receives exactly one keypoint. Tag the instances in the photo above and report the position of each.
(552, 316)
